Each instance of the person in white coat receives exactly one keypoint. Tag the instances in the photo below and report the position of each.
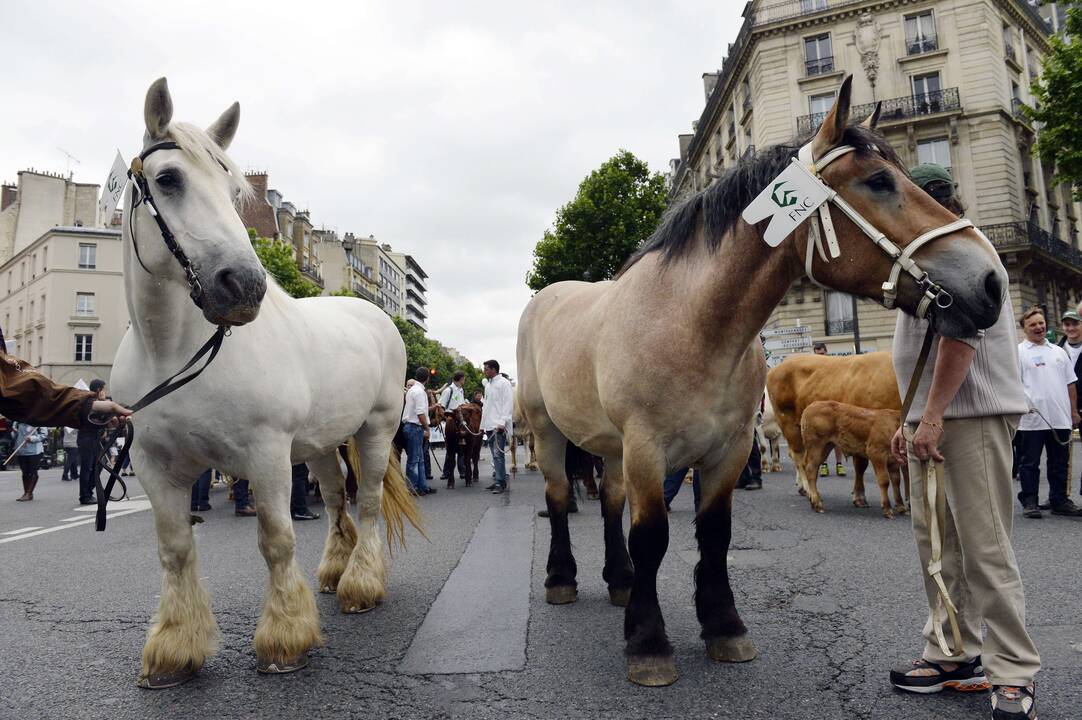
(496, 420)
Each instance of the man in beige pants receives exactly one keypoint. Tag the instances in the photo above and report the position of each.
(965, 412)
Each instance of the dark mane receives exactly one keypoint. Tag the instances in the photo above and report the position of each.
(721, 204)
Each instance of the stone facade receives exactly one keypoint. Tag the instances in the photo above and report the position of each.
(391, 277)
(40, 201)
(413, 290)
(276, 218)
(62, 302)
(345, 270)
(952, 76)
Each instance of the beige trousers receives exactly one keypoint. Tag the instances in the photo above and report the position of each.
(979, 568)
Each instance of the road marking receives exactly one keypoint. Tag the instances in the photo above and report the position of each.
(461, 633)
(86, 521)
(21, 530)
(77, 517)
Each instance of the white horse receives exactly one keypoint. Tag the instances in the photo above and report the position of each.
(288, 386)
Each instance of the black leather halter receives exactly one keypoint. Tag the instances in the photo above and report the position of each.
(209, 350)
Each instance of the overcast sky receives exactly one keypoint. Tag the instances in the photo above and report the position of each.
(452, 130)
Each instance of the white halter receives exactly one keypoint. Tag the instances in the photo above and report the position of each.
(903, 258)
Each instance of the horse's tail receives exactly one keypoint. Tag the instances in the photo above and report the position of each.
(397, 504)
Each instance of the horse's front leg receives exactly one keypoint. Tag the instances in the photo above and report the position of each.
(725, 634)
(618, 572)
(649, 653)
(289, 625)
(183, 633)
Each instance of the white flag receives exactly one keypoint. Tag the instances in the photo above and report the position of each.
(789, 199)
(112, 190)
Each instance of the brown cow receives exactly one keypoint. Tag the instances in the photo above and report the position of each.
(866, 381)
(467, 427)
(857, 432)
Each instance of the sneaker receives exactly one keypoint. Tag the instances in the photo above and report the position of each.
(306, 515)
(493, 486)
(824, 470)
(966, 677)
(840, 469)
(1014, 703)
(1030, 510)
(754, 484)
(1067, 507)
(499, 489)
(245, 511)
(429, 491)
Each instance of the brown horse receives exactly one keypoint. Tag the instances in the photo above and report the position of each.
(465, 422)
(662, 368)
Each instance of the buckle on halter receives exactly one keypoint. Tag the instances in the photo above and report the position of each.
(890, 294)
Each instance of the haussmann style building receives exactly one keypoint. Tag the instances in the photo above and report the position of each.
(952, 76)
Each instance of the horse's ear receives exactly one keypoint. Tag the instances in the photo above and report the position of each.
(872, 122)
(225, 127)
(833, 127)
(158, 109)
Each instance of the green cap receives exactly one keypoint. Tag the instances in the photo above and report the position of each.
(926, 173)
(1070, 315)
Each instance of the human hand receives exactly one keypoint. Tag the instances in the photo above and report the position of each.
(426, 432)
(897, 447)
(499, 428)
(1076, 417)
(115, 412)
(926, 441)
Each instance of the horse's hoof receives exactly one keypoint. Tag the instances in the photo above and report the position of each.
(328, 589)
(620, 597)
(358, 610)
(802, 492)
(776, 468)
(901, 510)
(275, 667)
(163, 680)
(561, 594)
(860, 502)
(888, 515)
(819, 509)
(731, 649)
(651, 670)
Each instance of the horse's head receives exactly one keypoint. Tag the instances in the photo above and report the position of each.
(872, 180)
(195, 188)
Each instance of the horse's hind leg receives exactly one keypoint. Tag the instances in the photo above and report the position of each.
(341, 532)
(618, 573)
(560, 584)
(289, 625)
(362, 585)
(183, 633)
(860, 465)
(775, 455)
(725, 634)
(649, 653)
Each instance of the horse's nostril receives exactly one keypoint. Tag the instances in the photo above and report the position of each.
(227, 281)
(993, 286)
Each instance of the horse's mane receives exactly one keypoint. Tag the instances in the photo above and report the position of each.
(203, 152)
(721, 204)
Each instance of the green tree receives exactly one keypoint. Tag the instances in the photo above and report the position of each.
(422, 351)
(616, 207)
(279, 261)
(1058, 93)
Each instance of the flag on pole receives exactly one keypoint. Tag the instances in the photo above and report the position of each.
(112, 190)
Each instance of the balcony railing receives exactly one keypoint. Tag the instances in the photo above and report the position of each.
(840, 327)
(1019, 235)
(1018, 109)
(910, 106)
(819, 66)
(747, 101)
(1008, 49)
(921, 44)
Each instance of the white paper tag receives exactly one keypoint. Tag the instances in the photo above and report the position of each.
(789, 199)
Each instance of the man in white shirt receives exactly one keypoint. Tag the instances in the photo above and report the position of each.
(451, 397)
(496, 420)
(415, 427)
(1071, 324)
(1049, 382)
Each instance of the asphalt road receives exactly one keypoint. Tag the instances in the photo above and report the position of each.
(832, 601)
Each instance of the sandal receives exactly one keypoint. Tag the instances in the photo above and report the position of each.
(965, 677)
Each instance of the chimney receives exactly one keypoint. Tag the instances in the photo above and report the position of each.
(8, 194)
(258, 181)
(710, 80)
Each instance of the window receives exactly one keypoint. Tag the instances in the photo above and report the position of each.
(88, 256)
(937, 150)
(84, 348)
(44, 260)
(807, 6)
(43, 306)
(839, 309)
(920, 35)
(84, 304)
(820, 105)
(41, 344)
(927, 93)
(1008, 43)
(33, 266)
(818, 56)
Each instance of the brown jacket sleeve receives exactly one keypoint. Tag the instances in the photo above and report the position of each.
(28, 396)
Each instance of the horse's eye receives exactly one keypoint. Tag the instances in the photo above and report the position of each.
(168, 180)
(880, 182)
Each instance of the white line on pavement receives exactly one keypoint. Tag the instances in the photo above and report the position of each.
(87, 521)
(77, 517)
(21, 530)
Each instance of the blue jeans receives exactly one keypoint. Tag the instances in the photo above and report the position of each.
(201, 491)
(1030, 445)
(497, 444)
(240, 494)
(675, 479)
(415, 456)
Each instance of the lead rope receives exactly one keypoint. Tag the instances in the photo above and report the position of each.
(935, 504)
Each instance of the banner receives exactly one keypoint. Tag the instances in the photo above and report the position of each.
(112, 190)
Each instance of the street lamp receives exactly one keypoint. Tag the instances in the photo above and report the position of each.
(348, 243)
